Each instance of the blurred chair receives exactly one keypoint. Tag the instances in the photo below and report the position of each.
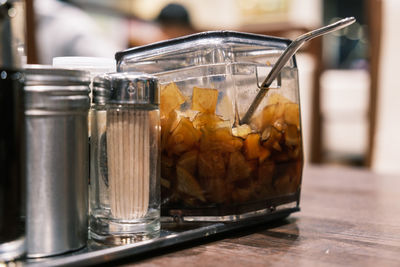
(385, 95)
(344, 109)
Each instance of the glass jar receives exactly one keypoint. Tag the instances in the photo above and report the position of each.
(125, 152)
(213, 168)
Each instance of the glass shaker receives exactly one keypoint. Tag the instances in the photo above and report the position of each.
(125, 159)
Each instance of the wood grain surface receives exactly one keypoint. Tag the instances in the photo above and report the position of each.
(348, 217)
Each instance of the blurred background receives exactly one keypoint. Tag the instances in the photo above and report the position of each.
(348, 84)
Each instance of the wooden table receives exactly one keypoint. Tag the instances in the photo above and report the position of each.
(348, 217)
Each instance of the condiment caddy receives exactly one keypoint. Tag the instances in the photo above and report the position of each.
(167, 160)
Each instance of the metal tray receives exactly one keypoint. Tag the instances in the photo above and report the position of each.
(172, 233)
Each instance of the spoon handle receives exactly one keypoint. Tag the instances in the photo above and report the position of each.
(285, 57)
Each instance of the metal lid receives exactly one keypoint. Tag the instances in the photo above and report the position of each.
(210, 38)
(49, 90)
(101, 89)
(126, 88)
(47, 75)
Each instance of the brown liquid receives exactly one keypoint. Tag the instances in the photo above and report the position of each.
(208, 168)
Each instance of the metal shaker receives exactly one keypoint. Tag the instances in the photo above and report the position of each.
(12, 174)
(57, 104)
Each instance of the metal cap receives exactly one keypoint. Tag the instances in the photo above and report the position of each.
(101, 89)
(126, 88)
(47, 75)
(49, 90)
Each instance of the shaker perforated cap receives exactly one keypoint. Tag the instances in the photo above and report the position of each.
(126, 88)
(101, 89)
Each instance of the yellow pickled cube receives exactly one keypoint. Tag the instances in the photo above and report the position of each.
(183, 138)
(224, 140)
(170, 98)
(211, 165)
(204, 99)
(291, 114)
(292, 135)
(206, 120)
(263, 154)
(238, 168)
(277, 98)
(188, 161)
(211, 172)
(271, 114)
(187, 184)
(251, 146)
(271, 138)
(219, 139)
(279, 110)
(168, 124)
(253, 149)
(241, 131)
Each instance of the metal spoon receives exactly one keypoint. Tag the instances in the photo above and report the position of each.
(285, 57)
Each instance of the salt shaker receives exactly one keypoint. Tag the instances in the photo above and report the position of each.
(125, 159)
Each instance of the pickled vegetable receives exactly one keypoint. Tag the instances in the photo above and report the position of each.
(241, 131)
(188, 184)
(170, 99)
(238, 168)
(207, 162)
(204, 100)
(183, 138)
